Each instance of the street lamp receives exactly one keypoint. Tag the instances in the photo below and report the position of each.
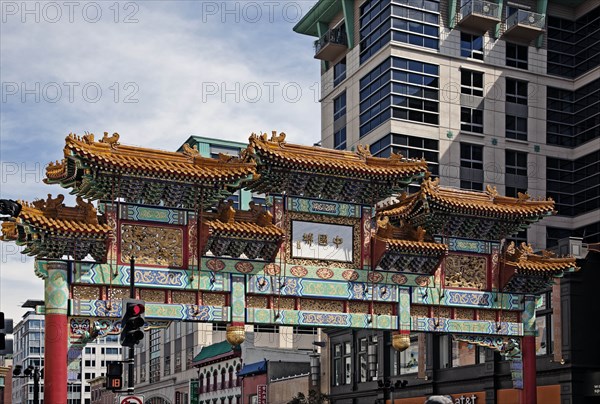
(30, 372)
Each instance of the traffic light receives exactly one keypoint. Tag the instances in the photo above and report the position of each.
(132, 321)
(114, 375)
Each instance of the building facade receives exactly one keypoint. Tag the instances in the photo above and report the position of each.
(488, 92)
(28, 350)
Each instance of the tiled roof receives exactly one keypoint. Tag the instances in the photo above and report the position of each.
(416, 246)
(111, 155)
(37, 218)
(247, 229)
(323, 159)
(487, 203)
(525, 261)
(213, 351)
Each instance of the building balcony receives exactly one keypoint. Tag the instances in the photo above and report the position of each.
(524, 25)
(331, 45)
(479, 15)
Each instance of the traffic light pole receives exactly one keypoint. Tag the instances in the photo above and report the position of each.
(36, 385)
(131, 349)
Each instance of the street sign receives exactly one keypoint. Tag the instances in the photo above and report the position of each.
(261, 392)
(131, 399)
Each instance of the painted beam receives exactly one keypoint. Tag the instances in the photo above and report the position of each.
(321, 319)
(443, 325)
(467, 298)
(154, 311)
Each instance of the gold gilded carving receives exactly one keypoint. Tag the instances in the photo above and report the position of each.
(286, 303)
(488, 315)
(466, 271)
(190, 151)
(491, 191)
(329, 306)
(358, 307)
(86, 293)
(464, 314)
(259, 302)
(226, 212)
(323, 239)
(9, 231)
(510, 316)
(118, 293)
(113, 140)
(213, 299)
(279, 139)
(363, 151)
(260, 214)
(152, 245)
(383, 308)
(151, 295)
(443, 312)
(184, 297)
(419, 311)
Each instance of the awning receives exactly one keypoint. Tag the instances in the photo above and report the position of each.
(253, 368)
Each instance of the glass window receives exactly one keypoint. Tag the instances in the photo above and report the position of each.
(516, 162)
(471, 82)
(339, 139)
(516, 127)
(339, 106)
(516, 91)
(516, 55)
(471, 120)
(471, 46)
(339, 72)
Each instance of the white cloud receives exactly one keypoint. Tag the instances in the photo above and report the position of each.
(167, 60)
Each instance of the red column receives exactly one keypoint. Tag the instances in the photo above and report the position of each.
(529, 392)
(55, 359)
(56, 339)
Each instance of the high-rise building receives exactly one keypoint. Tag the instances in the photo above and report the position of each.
(498, 92)
(505, 93)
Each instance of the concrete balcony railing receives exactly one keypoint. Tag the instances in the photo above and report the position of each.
(479, 15)
(331, 45)
(525, 25)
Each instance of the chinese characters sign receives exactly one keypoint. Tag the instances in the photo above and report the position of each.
(322, 241)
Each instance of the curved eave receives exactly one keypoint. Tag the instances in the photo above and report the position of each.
(418, 247)
(145, 163)
(404, 171)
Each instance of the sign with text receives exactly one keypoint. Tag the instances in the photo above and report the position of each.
(322, 241)
(261, 392)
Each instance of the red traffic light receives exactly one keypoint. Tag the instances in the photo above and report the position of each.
(137, 309)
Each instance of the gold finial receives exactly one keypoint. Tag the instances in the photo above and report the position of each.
(112, 140)
(190, 151)
(363, 151)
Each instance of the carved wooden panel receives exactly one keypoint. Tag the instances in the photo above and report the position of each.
(152, 245)
(184, 297)
(466, 271)
(358, 307)
(330, 306)
(419, 311)
(86, 292)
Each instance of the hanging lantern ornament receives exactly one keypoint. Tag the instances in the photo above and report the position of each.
(401, 341)
(236, 334)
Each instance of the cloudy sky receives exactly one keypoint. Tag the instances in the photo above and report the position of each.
(156, 72)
